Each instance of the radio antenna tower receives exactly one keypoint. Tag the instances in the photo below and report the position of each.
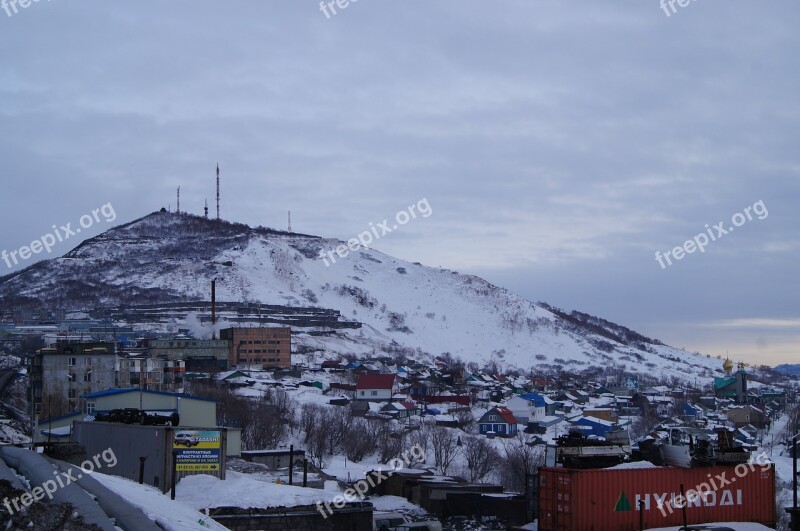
(290, 221)
(179, 201)
(217, 191)
(206, 209)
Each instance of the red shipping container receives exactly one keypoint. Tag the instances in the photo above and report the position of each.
(609, 500)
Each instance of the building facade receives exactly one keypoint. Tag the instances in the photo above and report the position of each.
(200, 354)
(156, 374)
(267, 347)
(60, 375)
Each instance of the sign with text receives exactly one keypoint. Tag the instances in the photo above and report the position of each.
(197, 451)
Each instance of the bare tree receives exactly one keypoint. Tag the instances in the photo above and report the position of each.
(335, 421)
(465, 419)
(317, 447)
(310, 418)
(420, 437)
(646, 422)
(520, 459)
(359, 440)
(445, 447)
(481, 457)
(390, 442)
(264, 423)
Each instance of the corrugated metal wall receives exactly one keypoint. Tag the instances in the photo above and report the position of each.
(599, 500)
(129, 442)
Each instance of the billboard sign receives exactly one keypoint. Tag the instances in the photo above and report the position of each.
(197, 451)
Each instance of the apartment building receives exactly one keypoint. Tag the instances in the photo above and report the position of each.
(140, 371)
(59, 376)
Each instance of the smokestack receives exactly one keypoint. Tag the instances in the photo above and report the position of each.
(213, 309)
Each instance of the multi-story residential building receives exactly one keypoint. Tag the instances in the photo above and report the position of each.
(60, 375)
(198, 354)
(268, 347)
(143, 372)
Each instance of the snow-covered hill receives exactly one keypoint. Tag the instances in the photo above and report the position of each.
(403, 306)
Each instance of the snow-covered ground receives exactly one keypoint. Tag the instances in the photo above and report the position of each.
(242, 490)
(168, 514)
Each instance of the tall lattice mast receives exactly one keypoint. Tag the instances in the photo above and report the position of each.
(217, 191)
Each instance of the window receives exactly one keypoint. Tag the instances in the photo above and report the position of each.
(71, 362)
(88, 362)
(87, 376)
(374, 393)
(73, 393)
(90, 408)
(71, 377)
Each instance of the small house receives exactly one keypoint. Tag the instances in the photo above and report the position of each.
(498, 421)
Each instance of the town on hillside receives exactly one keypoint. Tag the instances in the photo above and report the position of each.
(250, 432)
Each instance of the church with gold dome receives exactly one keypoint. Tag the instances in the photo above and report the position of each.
(732, 385)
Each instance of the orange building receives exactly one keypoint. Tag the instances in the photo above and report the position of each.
(268, 347)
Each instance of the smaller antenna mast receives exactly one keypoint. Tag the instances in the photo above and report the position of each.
(179, 201)
(217, 191)
(290, 221)
(206, 209)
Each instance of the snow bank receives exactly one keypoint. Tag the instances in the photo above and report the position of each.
(240, 490)
(170, 515)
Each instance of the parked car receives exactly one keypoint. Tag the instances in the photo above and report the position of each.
(186, 439)
(430, 525)
(387, 521)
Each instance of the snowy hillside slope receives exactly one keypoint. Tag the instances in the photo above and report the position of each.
(403, 306)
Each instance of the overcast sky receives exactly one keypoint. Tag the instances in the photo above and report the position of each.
(559, 144)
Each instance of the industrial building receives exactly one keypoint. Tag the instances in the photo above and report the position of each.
(267, 347)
